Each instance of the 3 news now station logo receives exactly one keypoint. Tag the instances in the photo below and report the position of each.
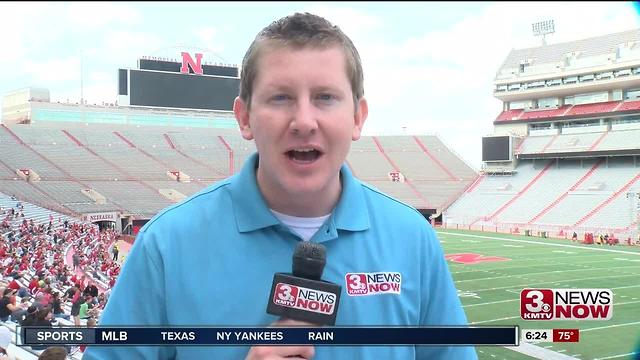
(566, 304)
(298, 297)
(359, 284)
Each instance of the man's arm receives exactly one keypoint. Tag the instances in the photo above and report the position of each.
(440, 302)
(138, 298)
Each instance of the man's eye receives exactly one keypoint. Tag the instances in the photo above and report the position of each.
(280, 97)
(325, 97)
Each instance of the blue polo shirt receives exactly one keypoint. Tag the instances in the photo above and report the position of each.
(209, 261)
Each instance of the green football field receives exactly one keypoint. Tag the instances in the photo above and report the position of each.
(490, 291)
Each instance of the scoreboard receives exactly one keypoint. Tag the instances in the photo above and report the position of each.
(190, 84)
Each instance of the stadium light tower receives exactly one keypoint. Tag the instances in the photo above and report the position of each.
(542, 28)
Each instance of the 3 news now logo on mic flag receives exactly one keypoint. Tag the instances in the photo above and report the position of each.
(566, 304)
(360, 284)
(303, 298)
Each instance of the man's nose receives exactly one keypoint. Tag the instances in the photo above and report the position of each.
(304, 119)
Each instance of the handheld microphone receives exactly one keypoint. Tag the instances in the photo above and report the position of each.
(303, 295)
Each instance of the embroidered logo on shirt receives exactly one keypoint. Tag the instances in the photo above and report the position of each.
(361, 284)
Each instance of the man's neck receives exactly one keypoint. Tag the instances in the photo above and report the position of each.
(302, 205)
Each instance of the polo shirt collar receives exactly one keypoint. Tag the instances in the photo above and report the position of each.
(351, 213)
(252, 213)
(249, 207)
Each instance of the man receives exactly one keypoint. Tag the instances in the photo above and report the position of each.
(301, 100)
(115, 252)
(53, 353)
(92, 290)
(8, 306)
(80, 308)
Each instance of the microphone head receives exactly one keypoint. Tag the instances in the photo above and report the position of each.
(309, 260)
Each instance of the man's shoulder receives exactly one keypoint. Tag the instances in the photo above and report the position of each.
(391, 209)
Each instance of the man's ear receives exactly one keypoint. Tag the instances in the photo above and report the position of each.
(241, 112)
(360, 116)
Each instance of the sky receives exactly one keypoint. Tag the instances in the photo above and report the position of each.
(429, 66)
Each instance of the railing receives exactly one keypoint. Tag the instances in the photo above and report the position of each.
(549, 231)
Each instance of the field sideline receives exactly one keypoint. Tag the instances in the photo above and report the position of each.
(490, 291)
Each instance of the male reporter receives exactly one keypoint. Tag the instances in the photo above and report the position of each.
(209, 260)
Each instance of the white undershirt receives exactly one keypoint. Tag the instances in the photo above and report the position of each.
(303, 226)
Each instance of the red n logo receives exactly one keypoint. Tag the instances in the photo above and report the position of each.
(471, 258)
(187, 62)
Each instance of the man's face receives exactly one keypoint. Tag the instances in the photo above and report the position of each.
(303, 120)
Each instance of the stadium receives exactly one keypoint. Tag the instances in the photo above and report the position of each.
(564, 158)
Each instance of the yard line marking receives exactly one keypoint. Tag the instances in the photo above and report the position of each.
(489, 303)
(542, 243)
(493, 320)
(626, 303)
(528, 285)
(539, 352)
(513, 246)
(563, 252)
(616, 356)
(625, 287)
(625, 259)
(561, 351)
(546, 261)
(609, 326)
(542, 272)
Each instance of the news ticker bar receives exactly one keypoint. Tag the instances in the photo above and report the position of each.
(211, 336)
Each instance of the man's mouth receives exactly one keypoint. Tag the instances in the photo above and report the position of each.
(304, 155)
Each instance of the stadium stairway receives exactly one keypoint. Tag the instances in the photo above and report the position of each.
(54, 165)
(226, 145)
(31, 149)
(172, 145)
(433, 158)
(395, 167)
(598, 141)
(475, 184)
(517, 196)
(566, 193)
(150, 156)
(607, 201)
(116, 166)
(553, 139)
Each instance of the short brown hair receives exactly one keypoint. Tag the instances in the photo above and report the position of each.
(298, 31)
(53, 353)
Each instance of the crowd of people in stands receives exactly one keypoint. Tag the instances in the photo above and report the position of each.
(36, 283)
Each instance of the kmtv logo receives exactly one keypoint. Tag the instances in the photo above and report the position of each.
(566, 304)
(297, 297)
(360, 284)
